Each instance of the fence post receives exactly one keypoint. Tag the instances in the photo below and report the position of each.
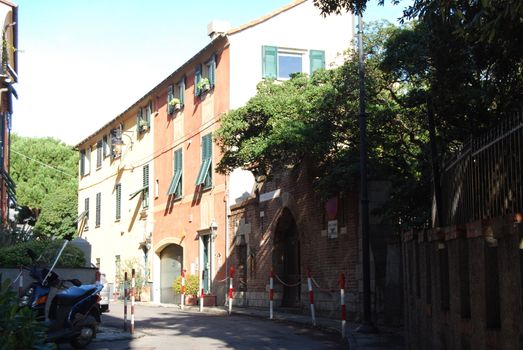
(271, 294)
(343, 309)
(125, 295)
(133, 291)
(182, 297)
(231, 275)
(311, 296)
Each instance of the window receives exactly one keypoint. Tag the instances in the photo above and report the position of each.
(175, 187)
(105, 146)
(143, 118)
(118, 193)
(86, 209)
(205, 76)
(175, 96)
(145, 199)
(85, 161)
(205, 174)
(278, 63)
(98, 208)
(99, 154)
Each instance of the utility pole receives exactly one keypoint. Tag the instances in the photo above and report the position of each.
(367, 325)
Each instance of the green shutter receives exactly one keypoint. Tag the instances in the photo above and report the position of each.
(212, 71)
(175, 185)
(202, 174)
(317, 60)
(138, 119)
(170, 96)
(197, 78)
(269, 61)
(98, 208)
(181, 91)
(146, 175)
(82, 163)
(118, 201)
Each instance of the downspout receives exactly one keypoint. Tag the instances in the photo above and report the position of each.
(226, 233)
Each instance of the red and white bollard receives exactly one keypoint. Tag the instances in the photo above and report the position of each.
(311, 297)
(202, 296)
(182, 297)
(271, 294)
(133, 291)
(343, 309)
(125, 295)
(231, 276)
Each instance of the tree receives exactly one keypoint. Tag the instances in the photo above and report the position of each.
(44, 170)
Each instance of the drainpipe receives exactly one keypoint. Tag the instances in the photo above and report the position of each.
(226, 232)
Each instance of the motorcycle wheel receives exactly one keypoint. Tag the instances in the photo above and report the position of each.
(86, 335)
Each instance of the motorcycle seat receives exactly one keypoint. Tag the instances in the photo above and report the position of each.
(73, 294)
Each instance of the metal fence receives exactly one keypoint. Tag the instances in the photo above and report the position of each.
(486, 178)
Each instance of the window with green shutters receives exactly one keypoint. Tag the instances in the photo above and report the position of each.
(118, 195)
(175, 187)
(98, 208)
(204, 177)
(145, 198)
(99, 154)
(170, 97)
(317, 60)
(143, 118)
(105, 146)
(82, 163)
(86, 209)
(205, 76)
(181, 91)
(280, 63)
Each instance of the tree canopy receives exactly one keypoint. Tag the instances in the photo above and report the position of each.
(45, 173)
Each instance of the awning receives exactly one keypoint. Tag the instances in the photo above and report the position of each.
(134, 194)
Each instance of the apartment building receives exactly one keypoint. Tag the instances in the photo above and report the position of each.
(8, 77)
(184, 225)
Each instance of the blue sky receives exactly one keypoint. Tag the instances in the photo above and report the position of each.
(83, 62)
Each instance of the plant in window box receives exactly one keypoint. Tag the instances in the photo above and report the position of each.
(204, 85)
(174, 105)
(144, 126)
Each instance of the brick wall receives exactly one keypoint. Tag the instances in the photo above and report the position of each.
(463, 286)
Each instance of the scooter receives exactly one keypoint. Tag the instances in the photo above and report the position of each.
(72, 313)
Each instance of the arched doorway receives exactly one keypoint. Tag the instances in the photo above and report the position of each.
(286, 258)
(171, 264)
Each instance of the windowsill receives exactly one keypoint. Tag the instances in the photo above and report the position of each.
(117, 220)
(97, 226)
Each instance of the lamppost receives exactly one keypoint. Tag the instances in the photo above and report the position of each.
(367, 326)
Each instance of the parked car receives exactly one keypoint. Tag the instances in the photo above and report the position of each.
(105, 294)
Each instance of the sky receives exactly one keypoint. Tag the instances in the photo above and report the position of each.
(84, 62)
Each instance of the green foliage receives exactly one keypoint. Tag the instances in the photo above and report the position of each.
(19, 329)
(58, 217)
(127, 266)
(45, 172)
(191, 285)
(46, 250)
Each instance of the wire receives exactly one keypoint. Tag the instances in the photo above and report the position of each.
(39, 162)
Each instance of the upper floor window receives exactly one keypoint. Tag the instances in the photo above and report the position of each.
(279, 63)
(99, 154)
(176, 96)
(144, 191)
(143, 118)
(86, 210)
(118, 197)
(205, 174)
(205, 76)
(98, 209)
(105, 146)
(115, 140)
(85, 161)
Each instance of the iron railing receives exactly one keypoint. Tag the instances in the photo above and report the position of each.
(485, 179)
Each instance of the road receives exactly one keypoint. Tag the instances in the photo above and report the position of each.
(159, 328)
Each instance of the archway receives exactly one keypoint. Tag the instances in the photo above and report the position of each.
(286, 258)
(171, 265)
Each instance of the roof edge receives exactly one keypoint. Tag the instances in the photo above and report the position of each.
(266, 17)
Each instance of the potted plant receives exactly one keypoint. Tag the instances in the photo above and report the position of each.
(204, 85)
(174, 105)
(144, 126)
(192, 284)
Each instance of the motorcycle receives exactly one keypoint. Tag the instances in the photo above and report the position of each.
(71, 313)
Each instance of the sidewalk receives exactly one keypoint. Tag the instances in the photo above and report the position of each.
(386, 338)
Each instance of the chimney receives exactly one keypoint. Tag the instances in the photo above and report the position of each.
(215, 28)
